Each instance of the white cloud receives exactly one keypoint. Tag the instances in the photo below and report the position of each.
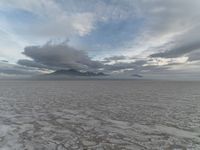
(167, 61)
(55, 22)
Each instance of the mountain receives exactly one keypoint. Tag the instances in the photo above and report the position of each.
(73, 72)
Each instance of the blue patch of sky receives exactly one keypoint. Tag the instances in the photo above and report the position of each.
(19, 16)
(111, 35)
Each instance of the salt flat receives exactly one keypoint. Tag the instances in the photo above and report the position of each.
(99, 114)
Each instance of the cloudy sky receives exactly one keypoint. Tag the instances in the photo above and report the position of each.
(155, 38)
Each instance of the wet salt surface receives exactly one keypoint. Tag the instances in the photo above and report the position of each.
(99, 115)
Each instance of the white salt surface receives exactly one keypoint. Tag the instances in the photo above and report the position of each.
(99, 115)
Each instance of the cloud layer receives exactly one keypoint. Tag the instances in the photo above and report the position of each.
(58, 56)
(132, 36)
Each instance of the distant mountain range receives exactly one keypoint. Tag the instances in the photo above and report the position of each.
(76, 74)
(73, 72)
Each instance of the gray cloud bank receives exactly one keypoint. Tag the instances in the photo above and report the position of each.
(62, 56)
(179, 50)
(178, 21)
(9, 70)
(58, 56)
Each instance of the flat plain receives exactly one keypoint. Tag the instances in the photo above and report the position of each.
(99, 115)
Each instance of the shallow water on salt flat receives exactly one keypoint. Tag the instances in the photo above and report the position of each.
(101, 114)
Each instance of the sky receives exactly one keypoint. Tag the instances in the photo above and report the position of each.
(154, 38)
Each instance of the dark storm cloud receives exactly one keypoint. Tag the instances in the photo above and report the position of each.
(58, 56)
(13, 69)
(115, 58)
(178, 51)
(194, 56)
(5, 61)
(14, 72)
(30, 63)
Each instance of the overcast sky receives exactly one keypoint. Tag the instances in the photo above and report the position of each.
(155, 38)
